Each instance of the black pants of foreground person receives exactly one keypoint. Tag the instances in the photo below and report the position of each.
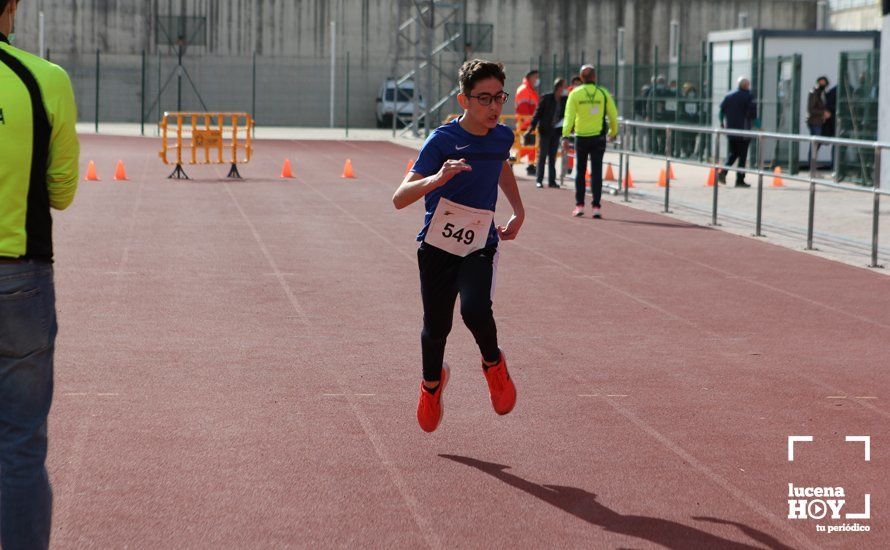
(592, 148)
(548, 144)
(442, 277)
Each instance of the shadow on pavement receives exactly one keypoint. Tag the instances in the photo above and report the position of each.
(584, 505)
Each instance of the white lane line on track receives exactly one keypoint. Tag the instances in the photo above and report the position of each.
(676, 449)
(864, 403)
(728, 274)
(70, 495)
(424, 524)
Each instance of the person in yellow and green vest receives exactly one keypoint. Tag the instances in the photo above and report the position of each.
(587, 108)
(38, 171)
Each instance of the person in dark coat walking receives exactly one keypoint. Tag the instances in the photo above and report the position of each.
(737, 111)
(548, 120)
(817, 112)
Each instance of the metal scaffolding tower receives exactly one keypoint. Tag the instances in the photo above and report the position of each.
(426, 62)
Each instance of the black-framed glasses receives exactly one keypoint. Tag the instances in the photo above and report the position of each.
(486, 99)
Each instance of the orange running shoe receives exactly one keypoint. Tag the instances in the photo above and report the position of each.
(430, 408)
(500, 387)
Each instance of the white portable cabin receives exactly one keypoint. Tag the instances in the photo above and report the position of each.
(783, 66)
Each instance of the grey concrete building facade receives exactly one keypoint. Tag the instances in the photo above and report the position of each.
(296, 34)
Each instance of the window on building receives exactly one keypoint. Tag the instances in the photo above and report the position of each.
(743, 20)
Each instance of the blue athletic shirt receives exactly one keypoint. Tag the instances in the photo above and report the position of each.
(477, 188)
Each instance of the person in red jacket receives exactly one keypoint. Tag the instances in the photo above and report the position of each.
(526, 103)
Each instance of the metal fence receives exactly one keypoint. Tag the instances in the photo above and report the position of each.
(857, 114)
(277, 91)
(626, 149)
(689, 92)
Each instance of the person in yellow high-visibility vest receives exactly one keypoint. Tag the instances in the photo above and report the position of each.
(586, 111)
(39, 155)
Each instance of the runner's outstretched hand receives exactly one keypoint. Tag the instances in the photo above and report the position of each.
(509, 231)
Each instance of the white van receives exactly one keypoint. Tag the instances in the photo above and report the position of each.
(386, 104)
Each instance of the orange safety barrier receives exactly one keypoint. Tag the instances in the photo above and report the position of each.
(223, 134)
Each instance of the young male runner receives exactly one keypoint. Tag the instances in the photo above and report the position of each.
(457, 173)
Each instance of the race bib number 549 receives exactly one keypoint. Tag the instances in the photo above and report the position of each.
(459, 229)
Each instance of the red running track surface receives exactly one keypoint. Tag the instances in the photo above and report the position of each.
(238, 366)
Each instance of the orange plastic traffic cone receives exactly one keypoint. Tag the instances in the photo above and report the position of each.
(628, 180)
(91, 172)
(712, 177)
(662, 178)
(587, 178)
(777, 179)
(348, 172)
(286, 171)
(409, 166)
(120, 173)
(673, 175)
(610, 176)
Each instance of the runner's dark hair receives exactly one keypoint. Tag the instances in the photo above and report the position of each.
(474, 70)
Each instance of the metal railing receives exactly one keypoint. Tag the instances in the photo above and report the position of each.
(623, 146)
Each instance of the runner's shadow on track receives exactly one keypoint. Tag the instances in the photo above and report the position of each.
(583, 505)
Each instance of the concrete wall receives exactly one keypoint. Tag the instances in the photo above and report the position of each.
(298, 32)
(862, 18)
(523, 28)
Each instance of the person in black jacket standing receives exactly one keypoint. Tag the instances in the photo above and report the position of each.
(548, 120)
(737, 111)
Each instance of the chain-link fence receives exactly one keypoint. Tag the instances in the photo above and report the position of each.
(278, 91)
(857, 114)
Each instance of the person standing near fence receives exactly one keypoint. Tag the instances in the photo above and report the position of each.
(737, 111)
(829, 128)
(817, 112)
(689, 115)
(586, 112)
(38, 171)
(526, 103)
(548, 121)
